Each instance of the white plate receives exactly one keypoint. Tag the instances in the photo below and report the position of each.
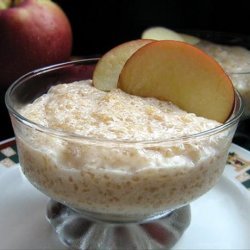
(22, 215)
(220, 218)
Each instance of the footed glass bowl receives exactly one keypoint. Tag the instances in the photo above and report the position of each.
(114, 194)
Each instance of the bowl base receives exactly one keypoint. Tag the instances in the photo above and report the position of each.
(77, 232)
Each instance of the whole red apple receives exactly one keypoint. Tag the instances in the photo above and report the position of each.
(33, 33)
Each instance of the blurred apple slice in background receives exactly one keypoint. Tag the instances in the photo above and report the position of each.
(108, 68)
(161, 33)
(181, 73)
(190, 39)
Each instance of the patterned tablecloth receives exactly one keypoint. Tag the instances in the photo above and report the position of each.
(238, 160)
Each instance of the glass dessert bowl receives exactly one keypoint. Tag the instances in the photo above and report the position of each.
(108, 193)
(241, 82)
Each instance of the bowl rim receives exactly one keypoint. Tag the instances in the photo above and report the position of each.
(232, 120)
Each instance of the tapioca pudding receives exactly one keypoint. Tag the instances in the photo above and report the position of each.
(119, 154)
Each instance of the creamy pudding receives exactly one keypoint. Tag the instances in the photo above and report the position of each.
(123, 153)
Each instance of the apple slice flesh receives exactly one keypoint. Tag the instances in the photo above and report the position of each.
(180, 73)
(190, 39)
(161, 33)
(108, 68)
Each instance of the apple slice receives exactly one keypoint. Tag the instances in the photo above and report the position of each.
(180, 73)
(161, 33)
(108, 68)
(190, 39)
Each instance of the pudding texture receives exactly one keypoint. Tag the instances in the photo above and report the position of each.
(119, 154)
